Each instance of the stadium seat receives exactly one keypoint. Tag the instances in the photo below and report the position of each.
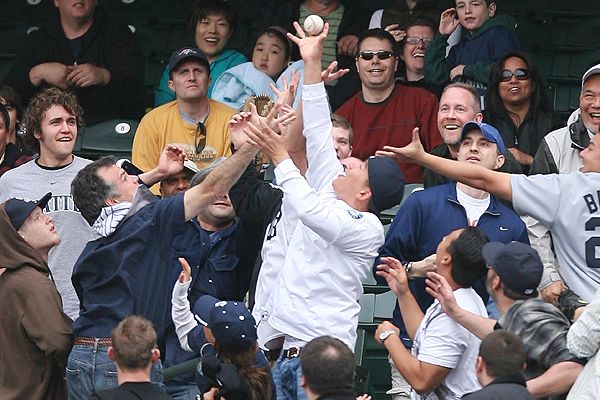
(109, 137)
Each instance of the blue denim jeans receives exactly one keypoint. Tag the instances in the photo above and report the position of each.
(287, 376)
(183, 392)
(89, 369)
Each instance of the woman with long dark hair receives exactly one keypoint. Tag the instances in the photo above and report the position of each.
(517, 105)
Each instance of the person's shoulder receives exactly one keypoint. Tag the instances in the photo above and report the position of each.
(80, 161)
(414, 92)
(18, 172)
(161, 111)
(216, 107)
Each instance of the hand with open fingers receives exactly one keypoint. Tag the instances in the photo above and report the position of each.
(364, 397)
(329, 76)
(268, 141)
(408, 153)
(171, 160)
(348, 45)
(385, 326)
(311, 47)
(237, 123)
(84, 75)
(396, 32)
(186, 271)
(439, 288)
(287, 94)
(392, 270)
(448, 21)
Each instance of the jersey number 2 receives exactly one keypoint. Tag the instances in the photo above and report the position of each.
(592, 243)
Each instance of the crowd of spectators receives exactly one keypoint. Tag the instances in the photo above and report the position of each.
(251, 212)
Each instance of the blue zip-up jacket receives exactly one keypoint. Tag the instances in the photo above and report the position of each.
(425, 218)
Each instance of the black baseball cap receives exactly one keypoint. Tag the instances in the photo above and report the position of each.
(19, 209)
(187, 53)
(517, 264)
(386, 182)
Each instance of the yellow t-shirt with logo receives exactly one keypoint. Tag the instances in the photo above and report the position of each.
(164, 125)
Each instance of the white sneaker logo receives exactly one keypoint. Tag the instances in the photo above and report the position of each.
(503, 229)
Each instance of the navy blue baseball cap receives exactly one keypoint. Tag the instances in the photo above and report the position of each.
(386, 182)
(231, 323)
(490, 133)
(187, 53)
(19, 209)
(517, 264)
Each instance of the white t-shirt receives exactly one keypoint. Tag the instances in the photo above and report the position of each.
(442, 341)
(473, 206)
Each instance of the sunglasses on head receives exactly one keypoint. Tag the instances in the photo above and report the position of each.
(520, 73)
(416, 40)
(381, 54)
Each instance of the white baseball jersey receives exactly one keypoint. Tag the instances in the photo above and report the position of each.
(568, 205)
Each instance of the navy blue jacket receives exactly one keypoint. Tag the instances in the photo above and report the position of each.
(425, 218)
(129, 271)
(221, 266)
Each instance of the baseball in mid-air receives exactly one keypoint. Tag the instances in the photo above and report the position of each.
(313, 25)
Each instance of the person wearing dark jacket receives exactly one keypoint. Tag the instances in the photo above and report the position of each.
(81, 50)
(35, 333)
(500, 368)
(517, 105)
(126, 270)
(485, 38)
(11, 156)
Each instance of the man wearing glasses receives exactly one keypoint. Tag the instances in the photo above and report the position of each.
(384, 112)
(193, 121)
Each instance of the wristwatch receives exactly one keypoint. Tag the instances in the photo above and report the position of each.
(386, 334)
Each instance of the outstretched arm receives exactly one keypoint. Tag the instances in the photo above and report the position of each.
(497, 183)
(170, 162)
(218, 182)
(556, 380)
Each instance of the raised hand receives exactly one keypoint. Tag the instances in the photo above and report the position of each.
(407, 153)
(394, 274)
(186, 271)
(328, 75)
(171, 160)
(448, 21)
(311, 47)
(439, 288)
(397, 33)
(287, 94)
(268, 141)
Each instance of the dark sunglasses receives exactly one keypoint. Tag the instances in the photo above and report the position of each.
(519, 73)
(200, 137)
(381, 54)
(416, 40)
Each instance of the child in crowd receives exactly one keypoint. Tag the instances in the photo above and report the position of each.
(484, 39)
(270, 57)
(224, 334)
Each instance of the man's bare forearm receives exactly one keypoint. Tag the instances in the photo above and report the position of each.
(218, 182)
